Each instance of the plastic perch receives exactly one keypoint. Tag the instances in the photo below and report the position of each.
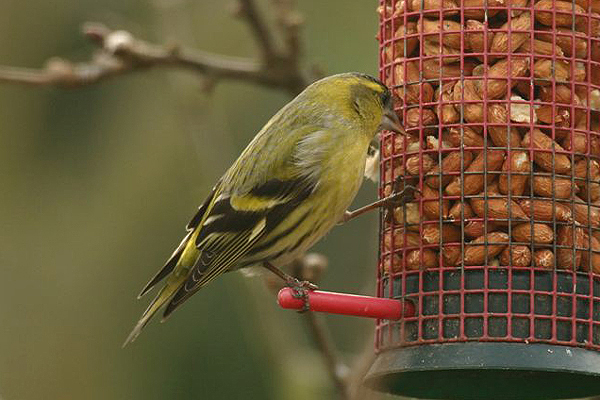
(347, 304)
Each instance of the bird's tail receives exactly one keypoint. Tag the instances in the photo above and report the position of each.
(174, 282)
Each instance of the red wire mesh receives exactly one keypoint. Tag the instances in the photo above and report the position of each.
(501, 101)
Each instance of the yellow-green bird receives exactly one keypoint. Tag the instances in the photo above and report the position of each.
(287, 189)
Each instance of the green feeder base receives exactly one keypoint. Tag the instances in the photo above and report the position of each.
(487, 371)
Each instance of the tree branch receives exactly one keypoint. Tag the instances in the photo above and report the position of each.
(119, 53)
(338, 371)
(247, 9)
(289, 22)
(310, 268)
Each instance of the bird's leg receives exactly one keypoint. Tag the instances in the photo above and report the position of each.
(396, 199)
(300, 288)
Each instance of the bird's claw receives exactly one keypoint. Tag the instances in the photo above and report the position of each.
(300, 289)
(406, 195)
(402, 193)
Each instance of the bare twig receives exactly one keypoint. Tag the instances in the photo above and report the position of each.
(120, 52)
(358, 372)
(247, 9)
(311, 267)
(289, 22)
(338, 371)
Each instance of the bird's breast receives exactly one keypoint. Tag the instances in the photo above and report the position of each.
(342, 177)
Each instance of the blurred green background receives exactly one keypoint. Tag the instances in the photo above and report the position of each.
(97, 184)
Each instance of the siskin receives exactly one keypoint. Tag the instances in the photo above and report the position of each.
(287, 189)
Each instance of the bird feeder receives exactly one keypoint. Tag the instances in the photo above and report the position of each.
(500, 252)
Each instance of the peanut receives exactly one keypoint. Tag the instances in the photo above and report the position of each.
(396, 144)
(459, 207)
(560, 117)
(525, 89)
(475, 38)
(584, 213)
(537, 233)
(500, 43)
(476, 9)
(593, 30)
(401, 239)
(465, 137)
(416, 164)
(498, 209)
(563, 38)
(408, 85)
(466, 97)
(448, 55)
(493, 189)
(405, 42)
(449, 7)
(451, 254)
(476, 250)
(577, 142)
(520, 110)
(549, 161)
(452, 162)
(570, 240)
(408, 214)
(543, 259)
(546, 186)
(475, 228)
(446, 112)
(474, 176)
(425, 117)
(432, 69)
(541, 48)
(431, 203)
(496, 88)
(501, 134)
(591, 256)
(550, 12)
(545, 71)
(546, 210)
(421, 259)
(432, 234)
(595, 74)
(516, 167)
(433, 143)
(434, 29)
(588, 174)
(516, 256)
(392, 263)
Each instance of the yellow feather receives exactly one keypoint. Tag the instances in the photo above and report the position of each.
(253, 203)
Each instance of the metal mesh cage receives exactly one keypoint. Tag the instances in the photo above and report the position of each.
(501, 249)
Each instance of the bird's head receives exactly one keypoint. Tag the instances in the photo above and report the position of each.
(360, 99)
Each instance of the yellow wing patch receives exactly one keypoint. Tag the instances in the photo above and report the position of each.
(257, 229)
(249, 202)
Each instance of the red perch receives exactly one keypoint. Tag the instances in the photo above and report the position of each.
(348, 304)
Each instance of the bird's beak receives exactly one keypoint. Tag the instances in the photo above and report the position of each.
(391, 122)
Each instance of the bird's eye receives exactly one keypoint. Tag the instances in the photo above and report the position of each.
(386, 97)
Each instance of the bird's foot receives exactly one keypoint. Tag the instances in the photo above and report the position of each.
(401, 196)
(301, 289)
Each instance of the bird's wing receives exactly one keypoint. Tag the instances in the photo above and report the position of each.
(174, 259)
(233, 224)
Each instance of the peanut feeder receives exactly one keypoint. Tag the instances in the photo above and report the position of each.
(501, 250)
